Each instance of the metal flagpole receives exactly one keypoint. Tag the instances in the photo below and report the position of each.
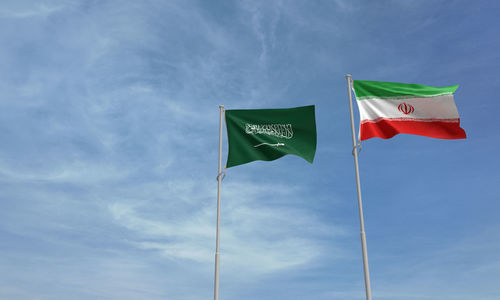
(360, 204)
(219, 182)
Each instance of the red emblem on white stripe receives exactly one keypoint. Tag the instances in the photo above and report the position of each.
(406, 108)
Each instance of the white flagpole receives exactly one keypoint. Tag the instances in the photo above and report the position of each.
(219, 182)
(360, 203)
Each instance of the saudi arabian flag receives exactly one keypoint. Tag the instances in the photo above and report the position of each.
(268, 134)
(389, 108)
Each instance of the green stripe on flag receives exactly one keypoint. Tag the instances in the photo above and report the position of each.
(394, 90)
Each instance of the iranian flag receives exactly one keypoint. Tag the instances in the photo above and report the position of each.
(390, 108)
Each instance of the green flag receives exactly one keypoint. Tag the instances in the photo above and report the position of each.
(268, 134)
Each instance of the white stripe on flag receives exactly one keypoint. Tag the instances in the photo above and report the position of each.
(440, 107)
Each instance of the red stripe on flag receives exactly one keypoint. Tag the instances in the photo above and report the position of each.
(386, 129)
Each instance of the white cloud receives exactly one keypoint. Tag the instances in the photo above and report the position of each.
(78, 172)
(41, 10)
(255, 236)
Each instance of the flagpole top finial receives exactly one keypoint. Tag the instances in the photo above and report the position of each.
(347, 75)
(221, 106)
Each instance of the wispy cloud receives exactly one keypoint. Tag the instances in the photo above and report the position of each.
(256, 237)
(23, 10)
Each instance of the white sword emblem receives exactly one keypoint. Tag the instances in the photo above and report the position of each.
(275, 145)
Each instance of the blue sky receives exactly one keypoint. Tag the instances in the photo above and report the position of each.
(109, 138)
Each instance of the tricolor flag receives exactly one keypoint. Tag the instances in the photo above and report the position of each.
(389, 108)
(268, 134)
